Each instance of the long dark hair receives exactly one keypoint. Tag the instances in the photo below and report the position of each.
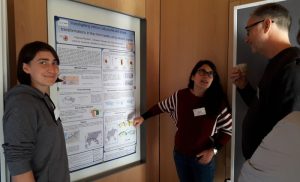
(214, 95)
(27, 53)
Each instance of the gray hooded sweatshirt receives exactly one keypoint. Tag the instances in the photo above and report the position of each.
(33, 136)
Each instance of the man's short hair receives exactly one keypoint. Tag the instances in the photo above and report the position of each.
(278, 13)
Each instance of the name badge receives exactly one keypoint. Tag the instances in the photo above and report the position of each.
(199, 111)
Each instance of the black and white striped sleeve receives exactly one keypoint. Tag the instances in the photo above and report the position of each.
(168, 105)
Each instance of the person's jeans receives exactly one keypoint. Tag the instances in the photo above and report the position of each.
(190, 170)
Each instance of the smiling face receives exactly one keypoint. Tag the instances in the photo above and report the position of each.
(203, 78)
(43, 70)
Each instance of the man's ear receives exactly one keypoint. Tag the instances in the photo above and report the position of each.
(26, 68)
(267, 24)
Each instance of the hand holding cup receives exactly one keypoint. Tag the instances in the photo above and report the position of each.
(238, 75)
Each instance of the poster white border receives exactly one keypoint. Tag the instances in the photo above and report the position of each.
(3, 80)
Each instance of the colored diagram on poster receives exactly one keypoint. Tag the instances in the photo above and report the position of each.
(119, 130)
(118, 69)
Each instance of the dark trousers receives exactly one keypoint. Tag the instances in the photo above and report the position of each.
(190, 170)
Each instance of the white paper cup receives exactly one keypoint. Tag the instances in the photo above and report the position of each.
(243, 68)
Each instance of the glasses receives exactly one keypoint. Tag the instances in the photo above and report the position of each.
(248, 28)
(203, 72)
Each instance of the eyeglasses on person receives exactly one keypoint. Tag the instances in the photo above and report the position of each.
(203, 72)
(249, 27)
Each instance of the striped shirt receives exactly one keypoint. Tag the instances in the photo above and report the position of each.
(197, 130)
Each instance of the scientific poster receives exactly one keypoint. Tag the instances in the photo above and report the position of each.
(96, 98)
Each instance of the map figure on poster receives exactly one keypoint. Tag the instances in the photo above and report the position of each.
(92, 137)
(72, 137)
(111, 134)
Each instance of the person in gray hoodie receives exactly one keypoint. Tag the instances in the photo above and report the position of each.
(34, 144)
